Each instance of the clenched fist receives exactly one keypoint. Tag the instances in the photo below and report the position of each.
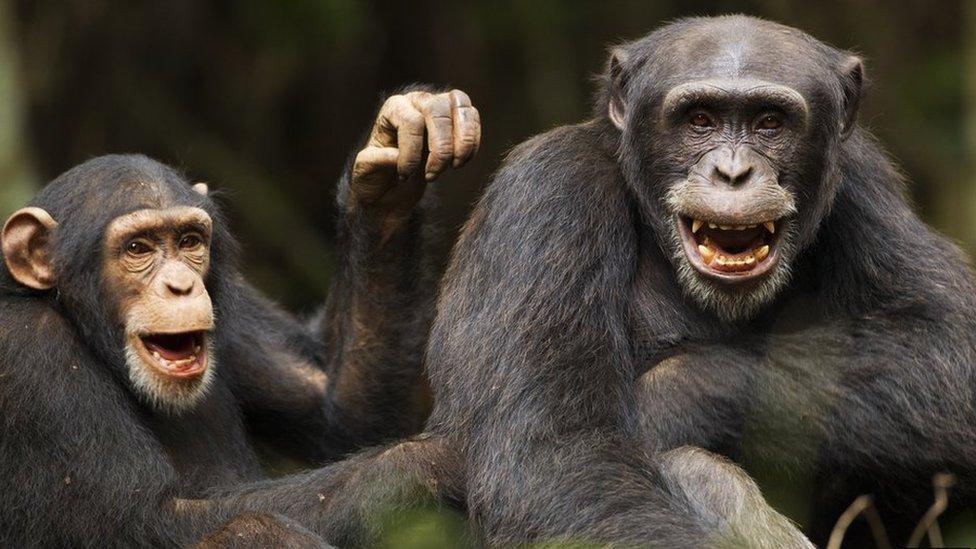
(416, 136)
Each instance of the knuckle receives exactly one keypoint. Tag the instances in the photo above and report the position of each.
(392, 103)
(413, 117)
(442, 147)
(419, 99)
(440, 155)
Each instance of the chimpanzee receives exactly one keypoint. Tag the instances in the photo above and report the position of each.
(721, 257)
(136, 364)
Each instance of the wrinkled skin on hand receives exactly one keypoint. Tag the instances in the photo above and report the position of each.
(417, 135)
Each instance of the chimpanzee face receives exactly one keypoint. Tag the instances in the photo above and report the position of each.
(140, 302)
(731, 139)
(731, 208)
(155, 263)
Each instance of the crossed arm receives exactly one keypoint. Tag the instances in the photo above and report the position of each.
(891, 389)
(871, 405)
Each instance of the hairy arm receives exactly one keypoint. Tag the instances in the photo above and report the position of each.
(352, 377)
(889, 393)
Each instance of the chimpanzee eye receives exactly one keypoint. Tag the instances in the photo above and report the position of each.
(769, 122)
(137, 247)
(700, 119)
(191, 242)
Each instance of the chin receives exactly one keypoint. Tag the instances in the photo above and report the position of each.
(172, 371)
(734, 276)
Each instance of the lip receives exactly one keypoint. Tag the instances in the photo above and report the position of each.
(177, 368)
(690, 245)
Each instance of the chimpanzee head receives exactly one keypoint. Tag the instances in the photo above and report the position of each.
(731, 129)
(129, 252)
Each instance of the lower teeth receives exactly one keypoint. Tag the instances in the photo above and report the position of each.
(709, 255)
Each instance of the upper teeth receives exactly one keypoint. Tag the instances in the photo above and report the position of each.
(696, 224)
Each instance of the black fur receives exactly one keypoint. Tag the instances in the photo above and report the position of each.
(84, 461)
(566, 354)
(563, 293)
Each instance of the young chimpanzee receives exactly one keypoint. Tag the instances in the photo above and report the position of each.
(136, 363)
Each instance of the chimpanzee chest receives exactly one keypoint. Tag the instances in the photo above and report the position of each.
(208, 445)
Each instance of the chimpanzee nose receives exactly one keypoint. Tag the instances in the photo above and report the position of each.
(732, 169)
(179, 280)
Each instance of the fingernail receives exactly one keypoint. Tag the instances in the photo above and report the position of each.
(430, 176)
(456, 163)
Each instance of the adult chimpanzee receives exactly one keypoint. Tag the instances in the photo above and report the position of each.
(135, 362)
(721, 257)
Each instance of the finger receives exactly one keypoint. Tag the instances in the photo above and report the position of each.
(467, 128)
(384, 132)
(410, 140)
(373, 172)
(375, 160)
(440, 133)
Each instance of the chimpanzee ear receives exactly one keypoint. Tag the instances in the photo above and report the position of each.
(852, 79)
(26, 242)
(201, 188)
(617, 110)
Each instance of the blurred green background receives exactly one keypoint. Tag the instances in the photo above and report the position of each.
(264, 100)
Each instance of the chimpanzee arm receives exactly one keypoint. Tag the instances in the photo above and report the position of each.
(853, 397)
(353, 376)
(532, 361)
(355, 502)
(318, 399)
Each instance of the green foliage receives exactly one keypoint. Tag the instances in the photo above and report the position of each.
(424, 529)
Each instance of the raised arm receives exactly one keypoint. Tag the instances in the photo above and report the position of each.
(353, 375)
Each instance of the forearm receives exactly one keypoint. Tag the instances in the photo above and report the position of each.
(375, 321)
(355, 502)
(701, 397)
(582, 487)
(381, 301)
(856, 395)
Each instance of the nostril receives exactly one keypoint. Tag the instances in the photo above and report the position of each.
(742, 176)
(720, 175)
(180, 287)
(733, 175)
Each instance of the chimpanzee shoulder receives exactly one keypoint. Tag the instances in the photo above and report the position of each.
(568, 164)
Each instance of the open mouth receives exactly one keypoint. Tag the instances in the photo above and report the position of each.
(181, 355)
(728, 252)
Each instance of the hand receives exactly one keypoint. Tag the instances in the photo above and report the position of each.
(416, 136)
